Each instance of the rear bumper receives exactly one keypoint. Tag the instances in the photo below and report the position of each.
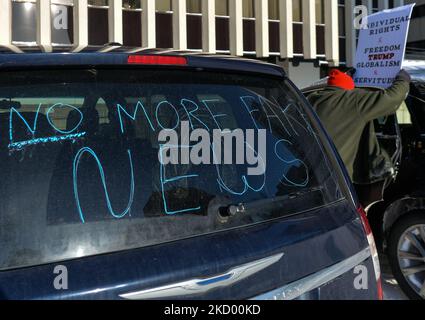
(334, 282)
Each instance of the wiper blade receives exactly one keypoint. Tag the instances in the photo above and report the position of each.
(279, 202)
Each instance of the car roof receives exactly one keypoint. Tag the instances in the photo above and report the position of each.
(25, 57)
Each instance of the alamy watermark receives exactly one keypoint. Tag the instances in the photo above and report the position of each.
(60, 17)
(218, 147)
(60, 281)
(360, 17)
(361, 280)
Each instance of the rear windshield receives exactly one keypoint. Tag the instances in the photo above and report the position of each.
(97, 161)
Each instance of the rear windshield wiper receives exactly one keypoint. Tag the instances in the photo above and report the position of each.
(287, 204)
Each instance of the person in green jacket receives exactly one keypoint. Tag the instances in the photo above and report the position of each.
(345, 111)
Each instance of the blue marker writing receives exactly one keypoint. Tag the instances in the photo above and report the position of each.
(166, 103)
(246, 185)
(293, 162)
(102, 175)
(213, 115)
(133, 116)
(22, 144)
(62, 105)
(190, 113)
(249, 108)
(31, 129)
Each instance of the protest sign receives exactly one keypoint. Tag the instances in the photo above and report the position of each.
(381, 47)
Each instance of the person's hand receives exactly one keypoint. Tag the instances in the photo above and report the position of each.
(351, 72)
(404, 75)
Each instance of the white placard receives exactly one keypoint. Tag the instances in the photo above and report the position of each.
(381, 47)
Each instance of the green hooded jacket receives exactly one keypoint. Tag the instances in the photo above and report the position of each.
(345, 114)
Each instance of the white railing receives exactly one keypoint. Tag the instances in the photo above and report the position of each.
(148, 26)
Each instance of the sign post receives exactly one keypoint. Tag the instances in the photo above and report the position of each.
(381, 47)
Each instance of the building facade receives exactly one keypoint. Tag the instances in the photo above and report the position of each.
(416, 39)
(304, 36)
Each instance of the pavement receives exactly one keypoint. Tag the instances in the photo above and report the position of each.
(390, 286)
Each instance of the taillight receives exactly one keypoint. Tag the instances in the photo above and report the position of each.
(373, 250)
(380, 290)
(157, 60)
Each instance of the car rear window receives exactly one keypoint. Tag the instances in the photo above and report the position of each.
(82, 169)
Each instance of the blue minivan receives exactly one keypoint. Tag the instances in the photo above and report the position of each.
(89, 209)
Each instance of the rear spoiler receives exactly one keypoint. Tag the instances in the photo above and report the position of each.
(96, 59)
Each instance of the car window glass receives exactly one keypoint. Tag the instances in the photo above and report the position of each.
(80, 159)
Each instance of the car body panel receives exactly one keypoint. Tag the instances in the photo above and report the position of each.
(339, 237)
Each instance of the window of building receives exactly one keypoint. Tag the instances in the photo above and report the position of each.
(375, 6)
(248, 8)
(164, 24)
(320, 12)
(132, 20)
(163, 5)
(98, 22)
(418, 11)
(132, 4)
(194, 24)
(194, 6)
(222, 7)
(297, 8)
(98, 3)
(341, 21)
(274, 9)
(320, 26)
(24, 21)
(63, 2)
(341, 31)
